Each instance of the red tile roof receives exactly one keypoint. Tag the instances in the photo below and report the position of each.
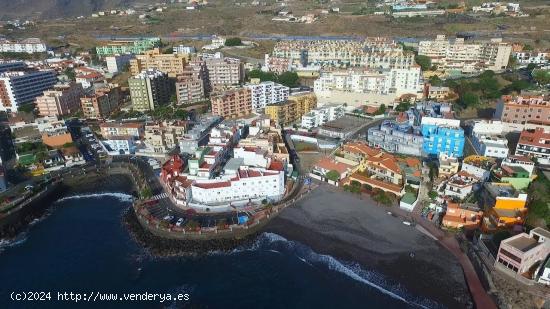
(329, 164)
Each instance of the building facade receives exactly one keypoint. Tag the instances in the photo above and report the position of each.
(523, 109)
(127, 47)
(266, 93)
(117, 63)
(466, 57)
(171, 64)
(321, 115)
(396, 138)
(232, 103)
(29, 46)
(292, 110)
(223, 72)
(18, 88)
(63, 100)
(442, 135)
(149, 89)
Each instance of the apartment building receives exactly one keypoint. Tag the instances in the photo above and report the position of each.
(462, 184)
(523, 109)
(532, 57)
(192, 85)
(149, 89)
(373, 52)
(465, 216)
(134, 129)
(63, 100)
(162, 137)
(534, 143)
(395, 81)
(127, 47)
(396, 138)
(6, 66)
(101, 103)
(232, 103)
(117, 63)
(466, 57)
(23, 87)
(520, 253)
(223, 72)
(183, 49)
(442, 135)
(321, 115)
(488, 139)
(171, 64)
(265, 93)
(276, 64)
(29, 46)
(292, 110)
(447, 165)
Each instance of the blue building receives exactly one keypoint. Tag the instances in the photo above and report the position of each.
(442, 135)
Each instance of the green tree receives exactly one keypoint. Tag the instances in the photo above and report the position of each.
(403, 106)
(435, 81)
(333, 175)
(70, 74)
(542, 77)
(531, 66)
(432, 195)
(469, 99)
(289, 79)
(181, 114)
(381, 110)
(27, 108)
(233, 42)
(424, 62)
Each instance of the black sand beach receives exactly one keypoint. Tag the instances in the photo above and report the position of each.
(344, 226)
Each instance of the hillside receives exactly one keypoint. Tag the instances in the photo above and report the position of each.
(58, 8)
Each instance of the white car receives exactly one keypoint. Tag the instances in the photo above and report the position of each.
(180, 221)
(168, 218)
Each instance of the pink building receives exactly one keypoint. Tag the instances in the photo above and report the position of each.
(63, 100)
(520, 253)
(524, 109)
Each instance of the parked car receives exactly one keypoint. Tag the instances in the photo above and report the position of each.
(168, 218)
(180, 221)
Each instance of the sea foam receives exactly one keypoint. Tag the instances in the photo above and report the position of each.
(123, 197)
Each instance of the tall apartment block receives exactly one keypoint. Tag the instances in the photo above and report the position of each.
(267, 93)
(232, 103)
(466, 57)
(149, 89)
(192, 85)
(101, 103)
(127, 47)
(63, 100)
(22, 87)
(223, 72)
(171, 64)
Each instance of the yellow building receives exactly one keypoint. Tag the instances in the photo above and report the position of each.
(293, 109)
(509, 206)
(171, 64)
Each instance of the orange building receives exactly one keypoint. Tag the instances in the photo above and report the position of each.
(461, 216)
(506, 206)
(232, 103)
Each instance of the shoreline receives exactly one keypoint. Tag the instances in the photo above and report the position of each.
(365, 234)
(417, 274)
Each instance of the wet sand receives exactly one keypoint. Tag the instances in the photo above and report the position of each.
(350, 228)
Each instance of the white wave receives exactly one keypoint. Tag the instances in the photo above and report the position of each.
(120, 196)
(8, 243)
(352, 270)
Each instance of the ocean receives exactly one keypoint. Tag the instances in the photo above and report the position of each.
(81, 246)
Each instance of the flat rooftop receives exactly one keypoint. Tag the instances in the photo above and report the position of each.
(523, 243)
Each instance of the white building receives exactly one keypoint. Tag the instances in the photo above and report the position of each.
(247, 184)
(115, 64)
(18, 88)
(488, 139)
(321, 115)
(526, 57)
(266, 93)
(466, 57)
(461, 184)
(251, 156)
(183, 49)
(393, 81)
(120, 144)
(29, 46)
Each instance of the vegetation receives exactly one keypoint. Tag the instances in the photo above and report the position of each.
(539, 209)
(233, 42)
(382, 197)
(432, 194)
(146, 193)
(542, 77)
(403, 106)
(27, 108)
(381, 110)
(333, 175)
(69, 72)
(424, 62)
(289, 79)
